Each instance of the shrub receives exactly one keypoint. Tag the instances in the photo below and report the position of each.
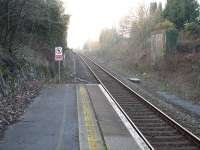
(164, 25)
(192, 28)
(171, 38)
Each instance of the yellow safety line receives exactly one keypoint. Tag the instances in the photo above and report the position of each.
(89, 124)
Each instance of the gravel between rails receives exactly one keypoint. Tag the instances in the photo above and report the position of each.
(82, 73)
(182, 116)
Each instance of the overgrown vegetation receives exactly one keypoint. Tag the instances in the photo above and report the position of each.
(181, 12)
(29, 31)
(156, 40)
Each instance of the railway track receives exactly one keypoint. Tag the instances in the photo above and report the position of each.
(158, 130)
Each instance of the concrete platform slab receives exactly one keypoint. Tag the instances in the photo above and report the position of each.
(89, 134)
(50, 123)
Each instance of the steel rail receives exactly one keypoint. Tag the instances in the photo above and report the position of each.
(183, 131)
(134, 126)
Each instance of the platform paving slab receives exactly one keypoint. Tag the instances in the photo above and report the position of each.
(50, 123)
(89, 133)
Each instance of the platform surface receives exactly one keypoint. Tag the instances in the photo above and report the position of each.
(50, 123)
(70, 117)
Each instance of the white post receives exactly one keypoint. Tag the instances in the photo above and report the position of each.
(59, 72)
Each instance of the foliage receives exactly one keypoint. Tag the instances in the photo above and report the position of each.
(164, 25)
(181, 11)
(193, 29)
(108, 38)
(142, 24)
(25, 22)
(30, 29)
(171, 38)
(132, 38)
(154, 7)
(141, 27)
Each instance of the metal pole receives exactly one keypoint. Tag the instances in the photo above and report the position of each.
(74, 63)
(58, 71)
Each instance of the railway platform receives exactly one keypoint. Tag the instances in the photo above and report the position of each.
(72, 117)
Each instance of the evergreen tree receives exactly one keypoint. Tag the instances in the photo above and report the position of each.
(181, 11)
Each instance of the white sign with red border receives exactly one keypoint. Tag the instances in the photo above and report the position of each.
(58, 54)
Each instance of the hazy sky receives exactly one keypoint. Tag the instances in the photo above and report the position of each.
(88, 17)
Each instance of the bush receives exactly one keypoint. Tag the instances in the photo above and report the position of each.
(171, 38)
(192, 28)
(164, 25)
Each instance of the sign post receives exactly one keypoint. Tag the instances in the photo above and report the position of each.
(58, 71)
(58, 57)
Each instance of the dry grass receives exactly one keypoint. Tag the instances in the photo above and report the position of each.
(182, 73)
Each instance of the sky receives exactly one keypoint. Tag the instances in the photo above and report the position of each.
(89, 17)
